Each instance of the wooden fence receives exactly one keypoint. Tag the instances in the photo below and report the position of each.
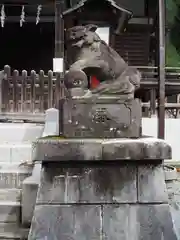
(26, 97)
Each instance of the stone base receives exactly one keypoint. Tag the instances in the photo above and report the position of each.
(108, 199)
(125, 222)
(105, 118)
(102, 202)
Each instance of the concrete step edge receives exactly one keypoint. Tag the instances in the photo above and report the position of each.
(15, 144)
(17, 171)
(17, 167)
(2, 190)
(10, 203)
(12, 227)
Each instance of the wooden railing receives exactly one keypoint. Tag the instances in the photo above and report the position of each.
(150, 75)
(26, 97)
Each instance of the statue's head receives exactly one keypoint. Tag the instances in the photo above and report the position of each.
(79, 36)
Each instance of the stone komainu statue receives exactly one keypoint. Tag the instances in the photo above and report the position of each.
(93, 56)
(110, 110)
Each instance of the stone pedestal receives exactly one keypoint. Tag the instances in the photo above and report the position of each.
(104, 117)
(102, 190)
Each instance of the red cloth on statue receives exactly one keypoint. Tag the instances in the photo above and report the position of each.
(94, 82)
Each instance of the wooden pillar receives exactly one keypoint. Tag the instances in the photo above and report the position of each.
(59, 53)
(153, 101)
(161, 70)
(59, 29)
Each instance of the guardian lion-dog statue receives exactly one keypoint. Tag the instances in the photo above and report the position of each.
(110, 110)
(93, 56)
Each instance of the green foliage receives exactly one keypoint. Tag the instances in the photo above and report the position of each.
(171, 9)
(172, 56)
(173, 33)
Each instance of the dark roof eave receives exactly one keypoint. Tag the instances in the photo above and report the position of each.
(81, 4)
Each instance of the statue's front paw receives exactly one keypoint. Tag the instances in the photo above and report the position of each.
(75, 79)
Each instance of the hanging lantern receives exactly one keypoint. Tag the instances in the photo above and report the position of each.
(22, 17)
(39, 9)
(3, 16)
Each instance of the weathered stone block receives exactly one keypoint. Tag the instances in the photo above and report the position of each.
(151, 184)
(134, 222)
(155, 222)
(47, 149)
(120, 222)
(136, 149)
(110, 184)
(102, 118)
(66, 222)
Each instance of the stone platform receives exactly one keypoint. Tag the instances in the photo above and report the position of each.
(102, 190)
(50, 149)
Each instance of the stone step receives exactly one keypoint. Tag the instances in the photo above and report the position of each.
(12, 231)
(10, 212)
(11, 177)
(15, 152)
(20, 132)
(10, 195)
